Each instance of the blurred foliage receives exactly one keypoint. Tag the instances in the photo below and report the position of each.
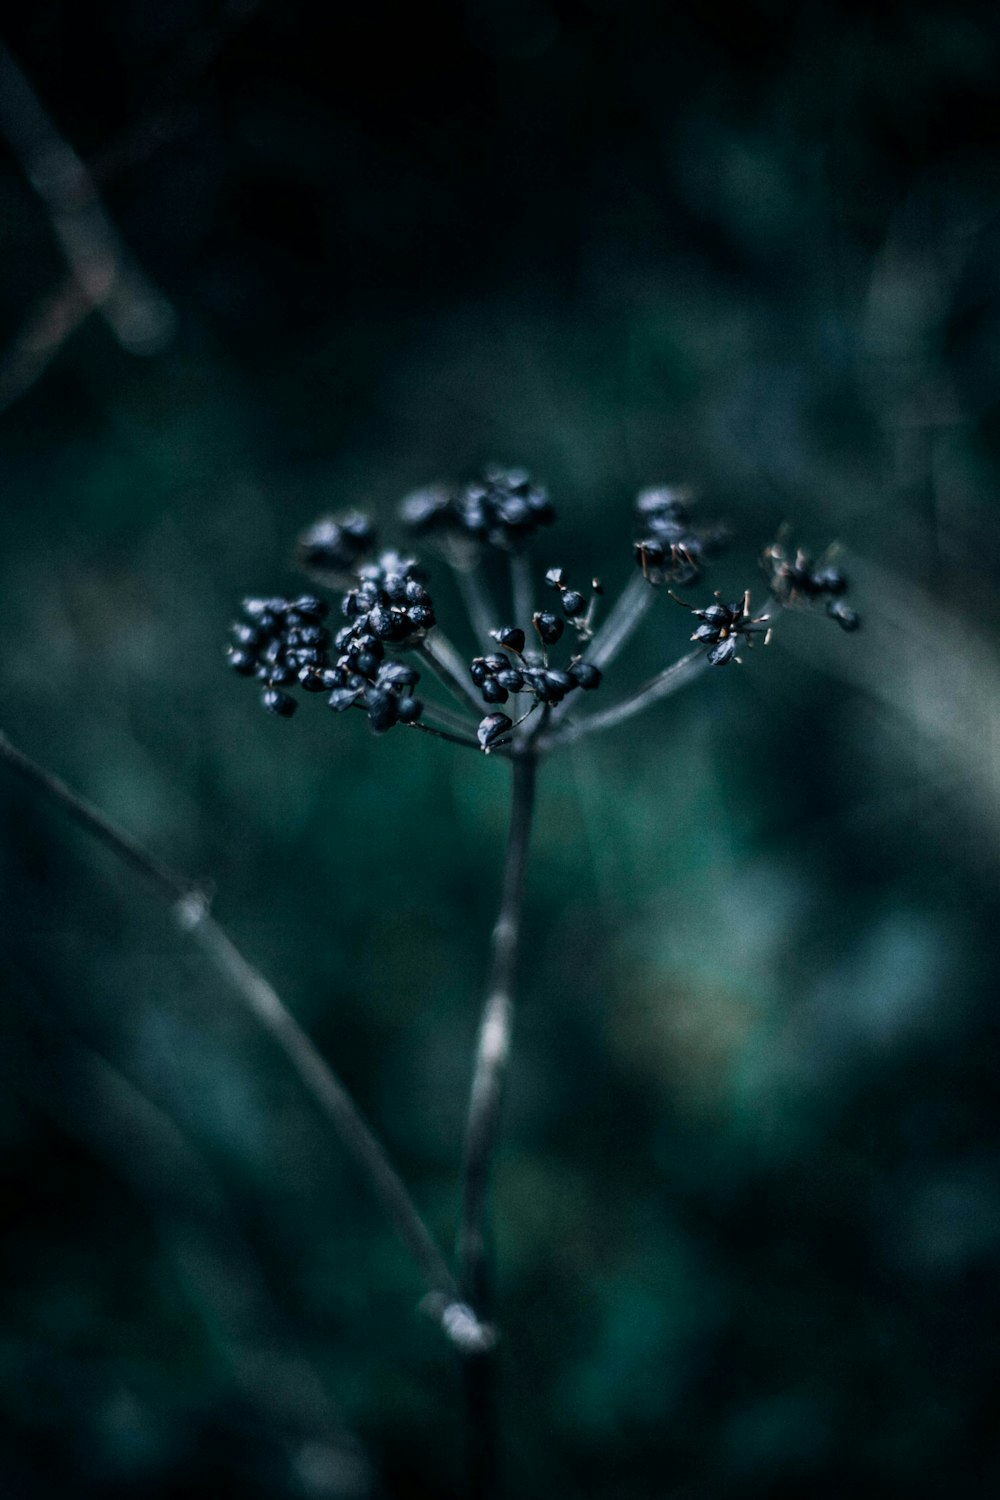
(748, 1202)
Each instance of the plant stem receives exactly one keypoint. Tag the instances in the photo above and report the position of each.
(661, 686)
(523, 595)
(478, 604)
(465, 740)
(489, 1075)
(626, 613)
(444, 661)
(447, 718)
(191, 911)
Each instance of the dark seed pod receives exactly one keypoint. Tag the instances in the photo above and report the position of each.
(421, 616)
(330, 548)
(512, 637)
(829, 581)
(562, 682)
(492, 728)
(724, 651)
(511, 680)
(382, 623)
(243, 662)
(365, 662)
(847, 618)
(247, 635)
(311, 608)
(573, 603)
(277, 702)
(383, 712)
(313, 635)
(311, 680)
(398, 674)
(343, 698)
(429, 509)
(585, 675)
(496, 662)
(364, 641)
(549, 627)
(254, 609)
(493, 692)
(409, 710)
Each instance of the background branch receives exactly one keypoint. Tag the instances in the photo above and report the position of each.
(325, 1087)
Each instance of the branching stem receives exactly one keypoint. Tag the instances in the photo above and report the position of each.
(478, 604)
(522, 592)
(661, 686)
(447, 665)
(626, 613)
(489, 1076)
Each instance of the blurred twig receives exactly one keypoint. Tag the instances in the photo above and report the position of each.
(105, 273)
(104, 277)
(485, 1098)
(190, 907)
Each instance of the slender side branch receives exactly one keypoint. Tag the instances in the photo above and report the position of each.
(478, 605)
(493, 1046)
(465, 740)
(446, 664)
(628, 610)
(191, 910)
(489, 1075)
(446, 718)
(522, 592)
(109, 278)
(661, 686)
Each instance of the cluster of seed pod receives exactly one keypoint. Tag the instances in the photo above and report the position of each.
(390, 601)
(795, 580)
(333, 546)
(577, 607)
(671, 548)
(281, 642)
(503, 509)
(286, 644)
(498, 676)
(361, 678)
(723, 626)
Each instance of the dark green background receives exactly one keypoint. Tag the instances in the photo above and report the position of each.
(748, 1202)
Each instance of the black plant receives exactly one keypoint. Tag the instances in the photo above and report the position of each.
(537, 672)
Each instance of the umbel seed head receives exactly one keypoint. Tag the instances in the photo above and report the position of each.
(332, 547)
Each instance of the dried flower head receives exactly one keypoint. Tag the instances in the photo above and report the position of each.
(671, 548)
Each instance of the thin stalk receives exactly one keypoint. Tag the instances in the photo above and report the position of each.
(626, 613)
(443, 734)
(191, 911)
(661, 686)
(478, 604)
(522, 591)
(138, 313)
(446, 664)
(489, 1075)
(447, 719)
